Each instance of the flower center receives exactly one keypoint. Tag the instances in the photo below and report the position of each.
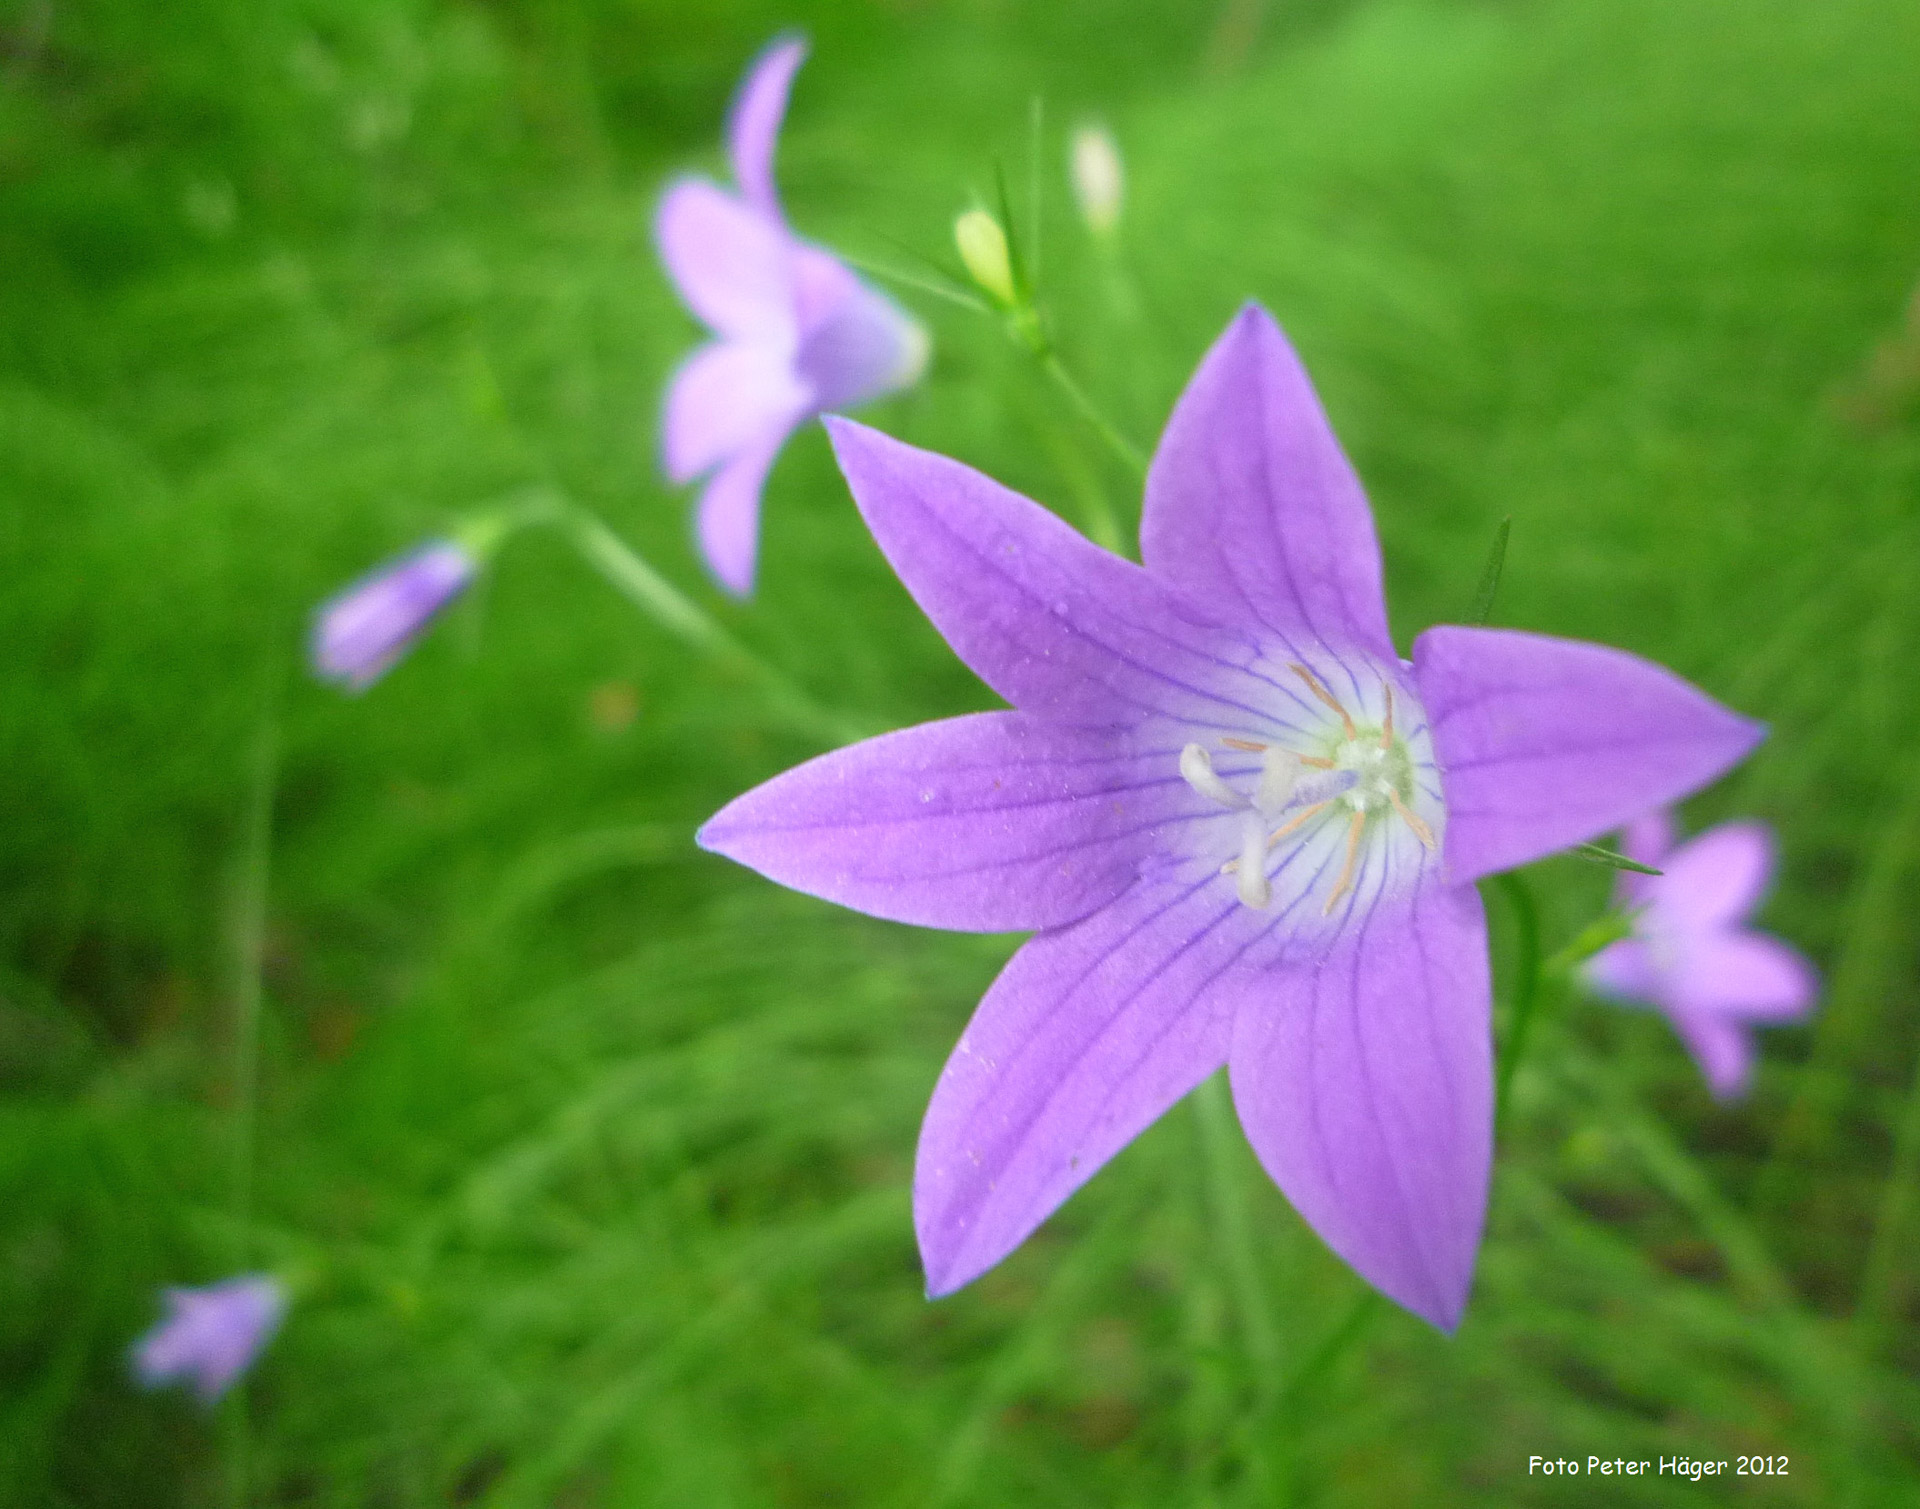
(1347, 789)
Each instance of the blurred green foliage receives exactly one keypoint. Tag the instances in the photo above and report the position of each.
(589, 1154)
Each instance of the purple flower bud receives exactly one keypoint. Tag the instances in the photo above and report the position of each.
(360, 632)
(210, 1335)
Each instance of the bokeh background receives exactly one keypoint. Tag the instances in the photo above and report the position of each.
(587, 1154)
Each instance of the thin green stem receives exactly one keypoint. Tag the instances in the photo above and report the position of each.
(1213, 1103)
(1879, 1278)
(1352, 1327)
(247, 934)
(692, 625)
(1118, 443)
(1259, 1336)
(1526, 988)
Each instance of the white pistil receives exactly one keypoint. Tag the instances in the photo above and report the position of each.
(1250, 877)
(1279, 777)
(1196, 769)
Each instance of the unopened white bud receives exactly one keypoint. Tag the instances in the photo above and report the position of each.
(1098, 178)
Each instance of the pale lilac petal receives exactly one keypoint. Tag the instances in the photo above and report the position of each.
(1624, 970)
(1648, 839)
(360, 631)
(724, 398)
(727, 522)
(1544, 743)
(210, 1335)
(753, 124)
(730, 262)
(1057, 626)
(1366, 1088)
(1723, 1049)
(1717, 878)
(988, 823)
(1089, 1034)
(856, 344)
(1745, 975)
(1250, 500)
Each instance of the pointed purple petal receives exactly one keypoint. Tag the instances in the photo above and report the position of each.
(856, 344)
(1723, 1049)
(1623, 970)
(1251, 501)
(753, 124)
(988, 823)
(1648, 839)
(1547, 742)
(728, 519)
(731, 263)
(1089, 1034)
(1366, 1088)
(1717, 878)
(724, 397)
(1057, 626)
(1747, 975)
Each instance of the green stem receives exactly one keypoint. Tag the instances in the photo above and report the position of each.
(1526, 990)
(1118, 443)
(1879, 1277)
(1214, 1106)
(693, 626)
(248, 934)
(1330, 1351)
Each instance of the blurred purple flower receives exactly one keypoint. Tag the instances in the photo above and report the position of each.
(361, 631)
(1689, 954)
(799, 334)
(211, 1335)
(1131, 807)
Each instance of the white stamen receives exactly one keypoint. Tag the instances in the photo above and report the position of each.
(1279, 776)
(1250, 876)
(1197, 770)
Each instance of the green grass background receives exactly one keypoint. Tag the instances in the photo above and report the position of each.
(589, 1154)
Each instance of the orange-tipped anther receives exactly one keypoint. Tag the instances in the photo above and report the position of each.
(1314, 686)
(1346, 870)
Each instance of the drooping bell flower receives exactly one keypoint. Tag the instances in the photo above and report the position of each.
(1690, 954)
(211, 1335)
(1243, 827)
(798, 334)
(360, 631)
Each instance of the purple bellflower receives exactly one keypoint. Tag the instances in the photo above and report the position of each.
(1244, 828)
(1690, 956)
(362, 630)
(798, 333)
(210, 1336)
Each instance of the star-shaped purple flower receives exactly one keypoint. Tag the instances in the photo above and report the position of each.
(1245, 829)
(1690, 956)
(211, 1335)
(799, 334)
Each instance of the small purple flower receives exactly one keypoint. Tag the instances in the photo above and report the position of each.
(1245, 829)
(1689, 954)
(211, 1335)
(361, 631)
(799, 334)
